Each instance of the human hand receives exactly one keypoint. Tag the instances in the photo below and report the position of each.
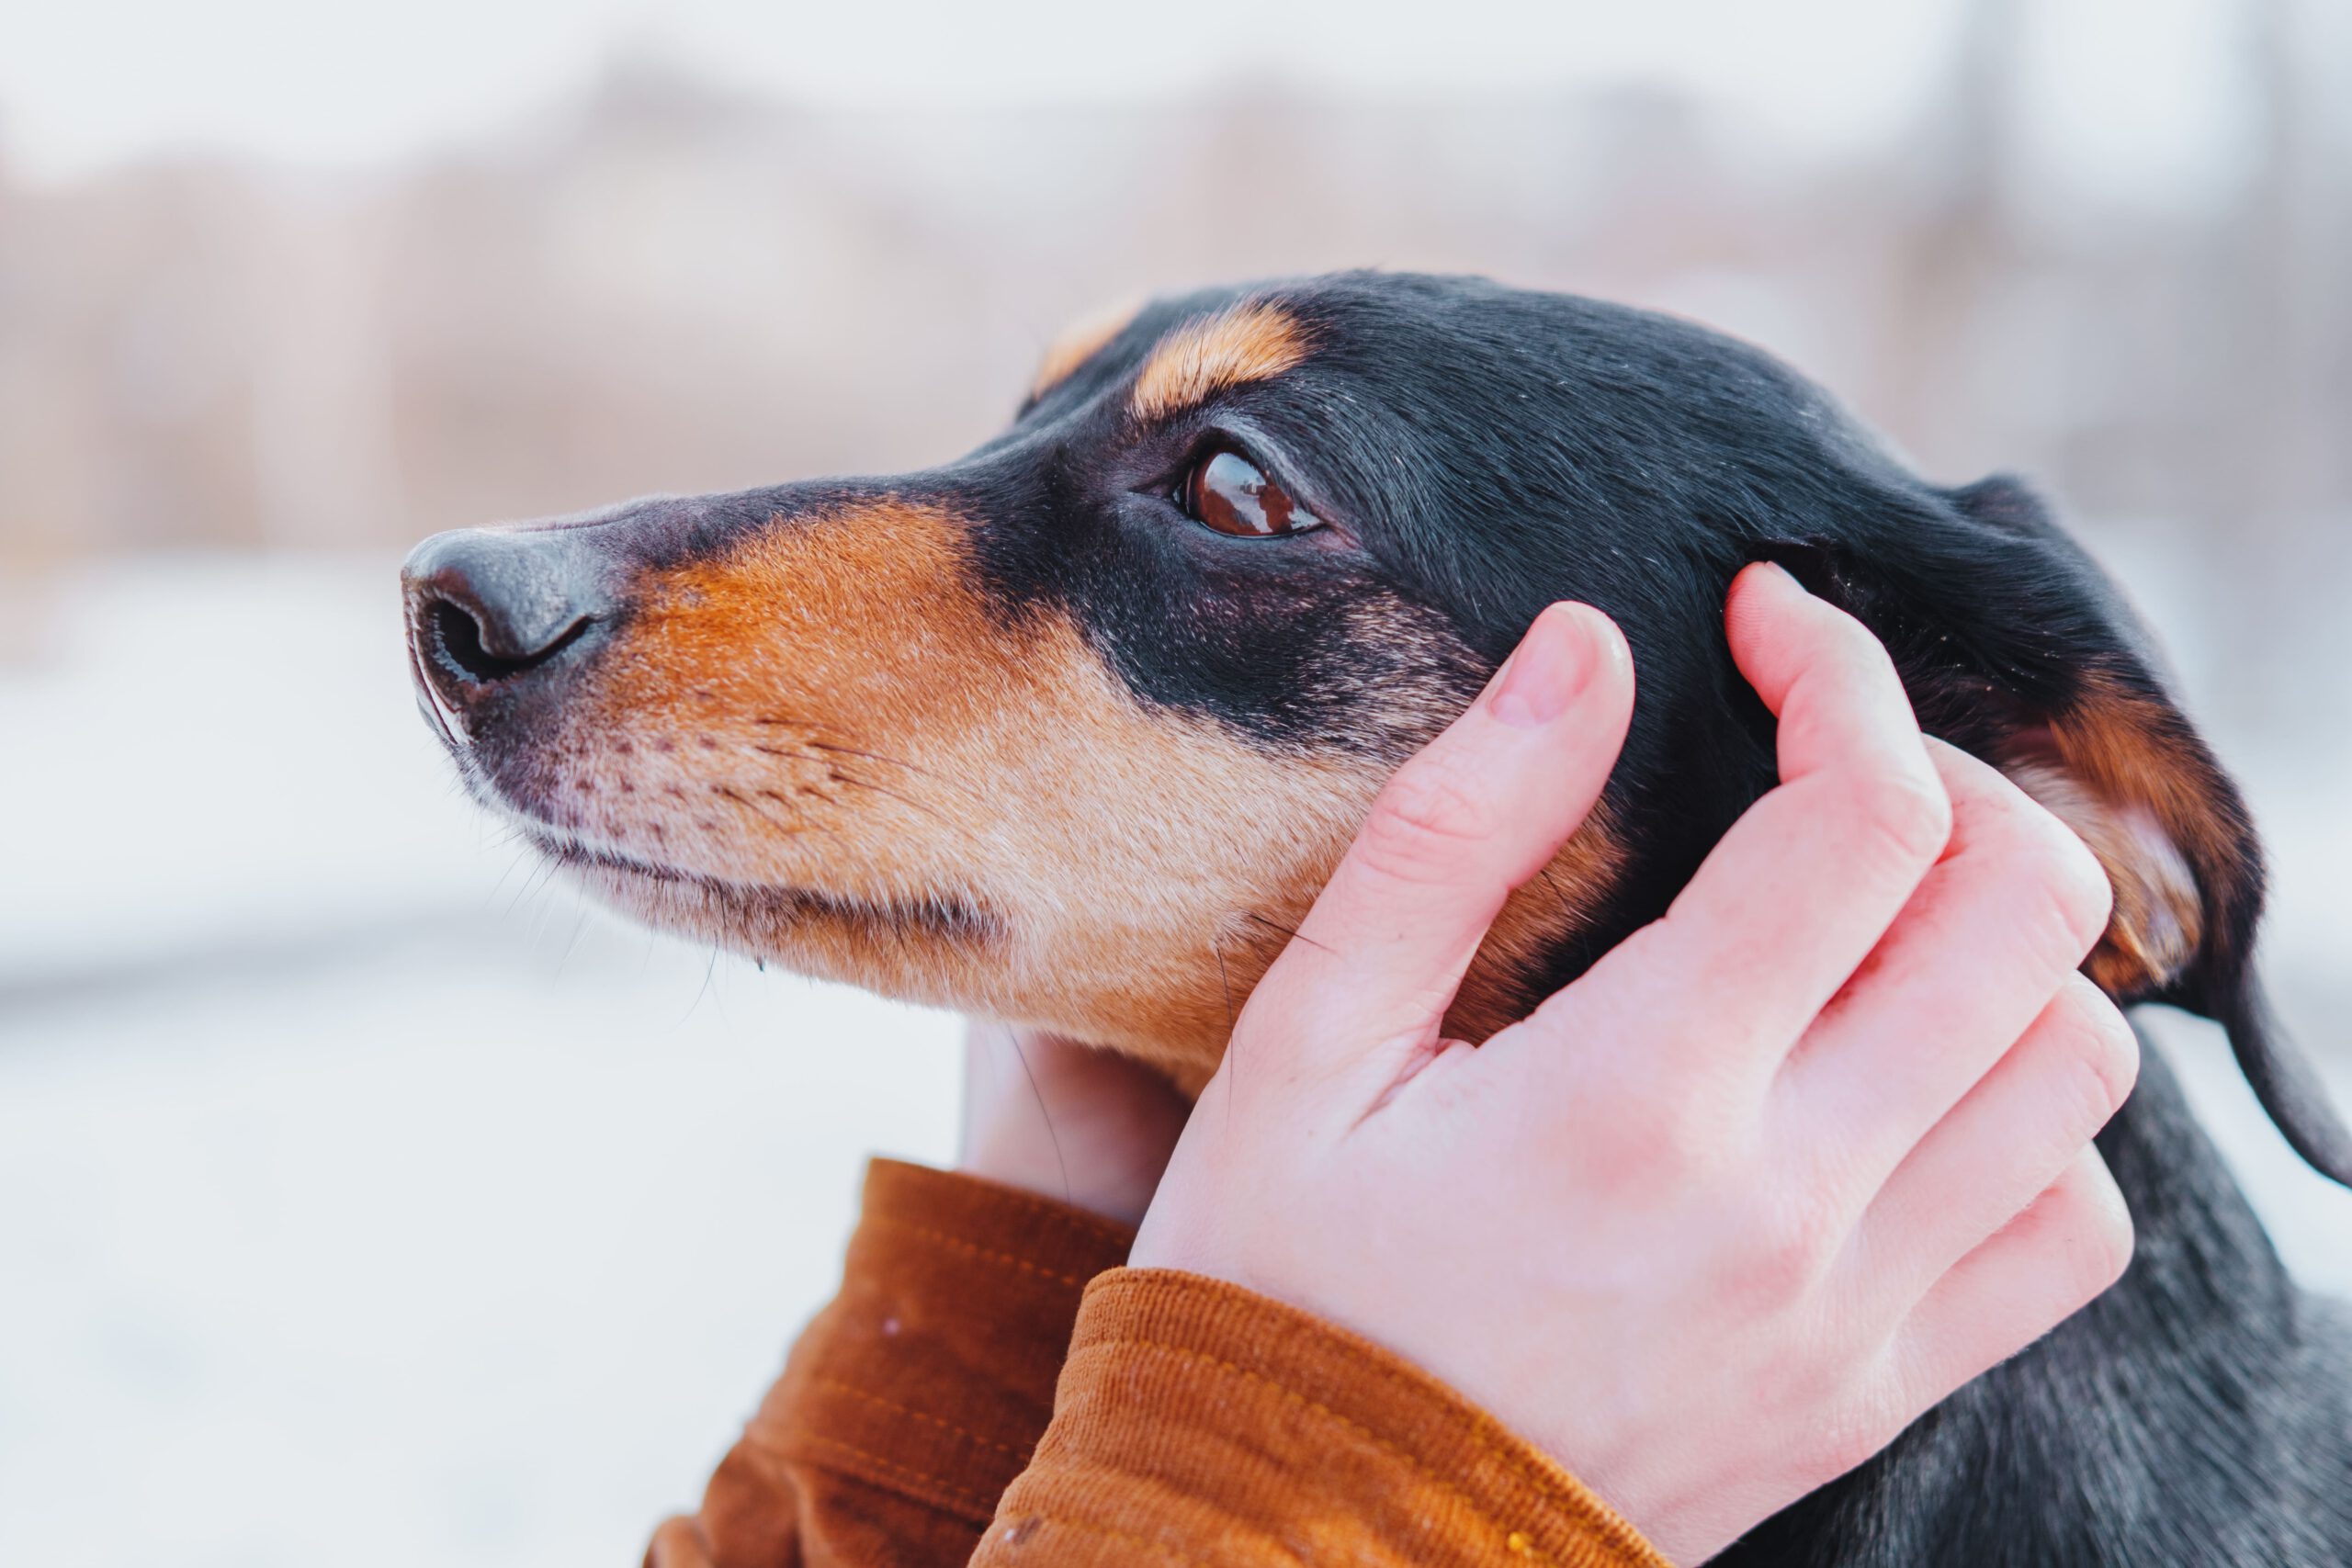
(1068, 1121)
(1778, 1174)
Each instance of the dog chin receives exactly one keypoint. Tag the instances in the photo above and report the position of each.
(827, 934)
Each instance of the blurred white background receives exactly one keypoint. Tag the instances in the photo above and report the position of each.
(365, 1198)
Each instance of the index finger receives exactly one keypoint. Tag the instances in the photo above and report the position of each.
(1464, 823)
(1799, 892)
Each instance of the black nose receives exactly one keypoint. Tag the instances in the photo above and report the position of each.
(487, 607)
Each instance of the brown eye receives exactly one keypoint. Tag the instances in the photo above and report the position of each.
(1231, 494)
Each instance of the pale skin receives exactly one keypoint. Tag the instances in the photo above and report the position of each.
(1814, 1148)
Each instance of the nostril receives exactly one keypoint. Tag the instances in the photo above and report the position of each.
(487, 607)
(456, 638)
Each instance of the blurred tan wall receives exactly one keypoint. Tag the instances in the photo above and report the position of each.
(667, 288)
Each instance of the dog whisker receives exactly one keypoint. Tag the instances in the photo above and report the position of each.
(1567, 902)
(1289, 933)
(579, 926)
(907, 800)
(710, 970)
(1224, 982)
(885, 757)
(1232, 1046)
(1043, 1110)
(540, 874)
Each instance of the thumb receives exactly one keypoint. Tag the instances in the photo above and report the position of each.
(1480, 810)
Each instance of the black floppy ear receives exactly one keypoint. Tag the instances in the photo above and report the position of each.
(2016, 647)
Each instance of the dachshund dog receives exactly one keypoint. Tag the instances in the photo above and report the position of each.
(1070, 731)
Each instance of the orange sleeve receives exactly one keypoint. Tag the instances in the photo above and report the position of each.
(1199, 1424)
(914, 1398)
(1194, 1421)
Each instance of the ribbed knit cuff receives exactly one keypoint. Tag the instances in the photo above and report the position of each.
(1197, 1422)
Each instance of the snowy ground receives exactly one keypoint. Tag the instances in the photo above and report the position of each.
(363, 1198)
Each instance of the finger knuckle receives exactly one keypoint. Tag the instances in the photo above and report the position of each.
(2099, 1249)
(1681, 1143)
(1791, 1242)
(2084, 1241)
(2106, 1047)
(1904, 810)
(1667, 1146)
(2077, 886)
(2076, 1102)
(1423, 823)
(1859, 655)
(2055, 888)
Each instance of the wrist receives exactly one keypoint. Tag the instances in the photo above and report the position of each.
(1066, 1121)
(1119, 1203)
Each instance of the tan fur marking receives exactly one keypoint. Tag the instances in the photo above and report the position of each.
(1251, 342)
(1080, 342)
(833, 706)
(2121, 770)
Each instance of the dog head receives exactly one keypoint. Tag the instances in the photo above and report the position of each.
(1070, 730)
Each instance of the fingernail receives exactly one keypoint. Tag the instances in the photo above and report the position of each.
(1553, 663)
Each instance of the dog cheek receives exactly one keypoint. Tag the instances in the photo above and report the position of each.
(1161, 864)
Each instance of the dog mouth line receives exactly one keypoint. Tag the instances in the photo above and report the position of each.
(945, 917)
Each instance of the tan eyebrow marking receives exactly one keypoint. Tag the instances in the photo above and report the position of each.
(1251, 341)
(1079, 342)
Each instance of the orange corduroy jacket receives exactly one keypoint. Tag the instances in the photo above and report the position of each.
(991, 1387)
